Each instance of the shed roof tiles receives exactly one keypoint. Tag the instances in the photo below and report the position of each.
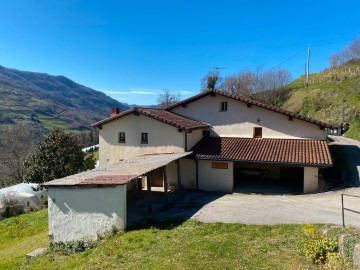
(289, 151)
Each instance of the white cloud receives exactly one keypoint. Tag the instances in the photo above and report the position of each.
(144, 92)
(117, 92)
(185, 92)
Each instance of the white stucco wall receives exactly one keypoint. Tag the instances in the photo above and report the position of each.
(163, 138)
(239, 120)
(83, 213)
(187, 172)
(311, 179)
(193, 138)
(211, 179)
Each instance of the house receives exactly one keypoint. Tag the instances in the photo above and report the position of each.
(212, 141)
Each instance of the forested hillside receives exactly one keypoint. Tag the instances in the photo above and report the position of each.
(48, 101)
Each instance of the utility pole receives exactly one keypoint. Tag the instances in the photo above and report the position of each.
(308, 67)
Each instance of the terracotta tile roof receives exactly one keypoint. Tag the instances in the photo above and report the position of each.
(289, 151)
(255, 103)
(173, 119)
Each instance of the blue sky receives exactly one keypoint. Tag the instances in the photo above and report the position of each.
(132, 50)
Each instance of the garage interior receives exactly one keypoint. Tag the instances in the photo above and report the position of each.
(262, 178)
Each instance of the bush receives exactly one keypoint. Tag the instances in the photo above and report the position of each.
(336, 262)
(317, 246)
(72, 247)
(11, 205)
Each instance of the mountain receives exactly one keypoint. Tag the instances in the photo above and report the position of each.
(333, 95)
(50, 101)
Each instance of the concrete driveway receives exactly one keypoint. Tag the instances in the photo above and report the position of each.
(271, 209)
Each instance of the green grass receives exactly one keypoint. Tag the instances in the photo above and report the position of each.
(329, 100)
(50, 122)
(171, 245)
(21, 235)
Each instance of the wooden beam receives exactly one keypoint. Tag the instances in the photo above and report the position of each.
(148, 185)
(178, 173)
(165, 184)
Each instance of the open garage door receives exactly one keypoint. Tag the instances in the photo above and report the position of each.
(268, 179)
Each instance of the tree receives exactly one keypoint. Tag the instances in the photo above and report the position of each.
(347, 54)
(59, 155)
(263, 86)
(210, 81)
(166, 98)
(17, 142)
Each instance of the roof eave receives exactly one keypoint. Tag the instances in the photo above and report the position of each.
(267, 162)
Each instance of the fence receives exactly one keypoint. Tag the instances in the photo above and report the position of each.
(347, 209)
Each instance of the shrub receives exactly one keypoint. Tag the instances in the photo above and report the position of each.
(11, 205)
(336, 262)
(317, 246)
(72, 247)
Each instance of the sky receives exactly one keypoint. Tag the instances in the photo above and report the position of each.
(133, 50)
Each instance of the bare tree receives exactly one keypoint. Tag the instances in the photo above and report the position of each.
(167, 98)
(210, 81)
(263, 86)
(239, 84)
(17, 142)
(347, 54)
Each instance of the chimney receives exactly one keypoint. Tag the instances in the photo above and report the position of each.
(114, 111)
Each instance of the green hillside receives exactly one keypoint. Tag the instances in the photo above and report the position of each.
(46, 101)
(333, 96)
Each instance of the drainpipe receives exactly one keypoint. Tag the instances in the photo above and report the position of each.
(186, 148)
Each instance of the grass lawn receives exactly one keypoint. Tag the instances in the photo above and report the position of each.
(21, 235)
(171, 245)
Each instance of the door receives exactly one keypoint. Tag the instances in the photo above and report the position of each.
(157, 178)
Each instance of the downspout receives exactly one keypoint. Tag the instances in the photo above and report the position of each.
(186, 148)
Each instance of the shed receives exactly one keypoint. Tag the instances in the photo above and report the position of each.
(90, 203)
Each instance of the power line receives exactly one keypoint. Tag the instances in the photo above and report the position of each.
(288, 59)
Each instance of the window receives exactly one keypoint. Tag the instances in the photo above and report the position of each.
(223, 106)
(219, 165)
(206, 133)
(258, 132)
(144, 138)
(121, 137)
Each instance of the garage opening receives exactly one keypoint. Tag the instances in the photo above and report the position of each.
(268, 178)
